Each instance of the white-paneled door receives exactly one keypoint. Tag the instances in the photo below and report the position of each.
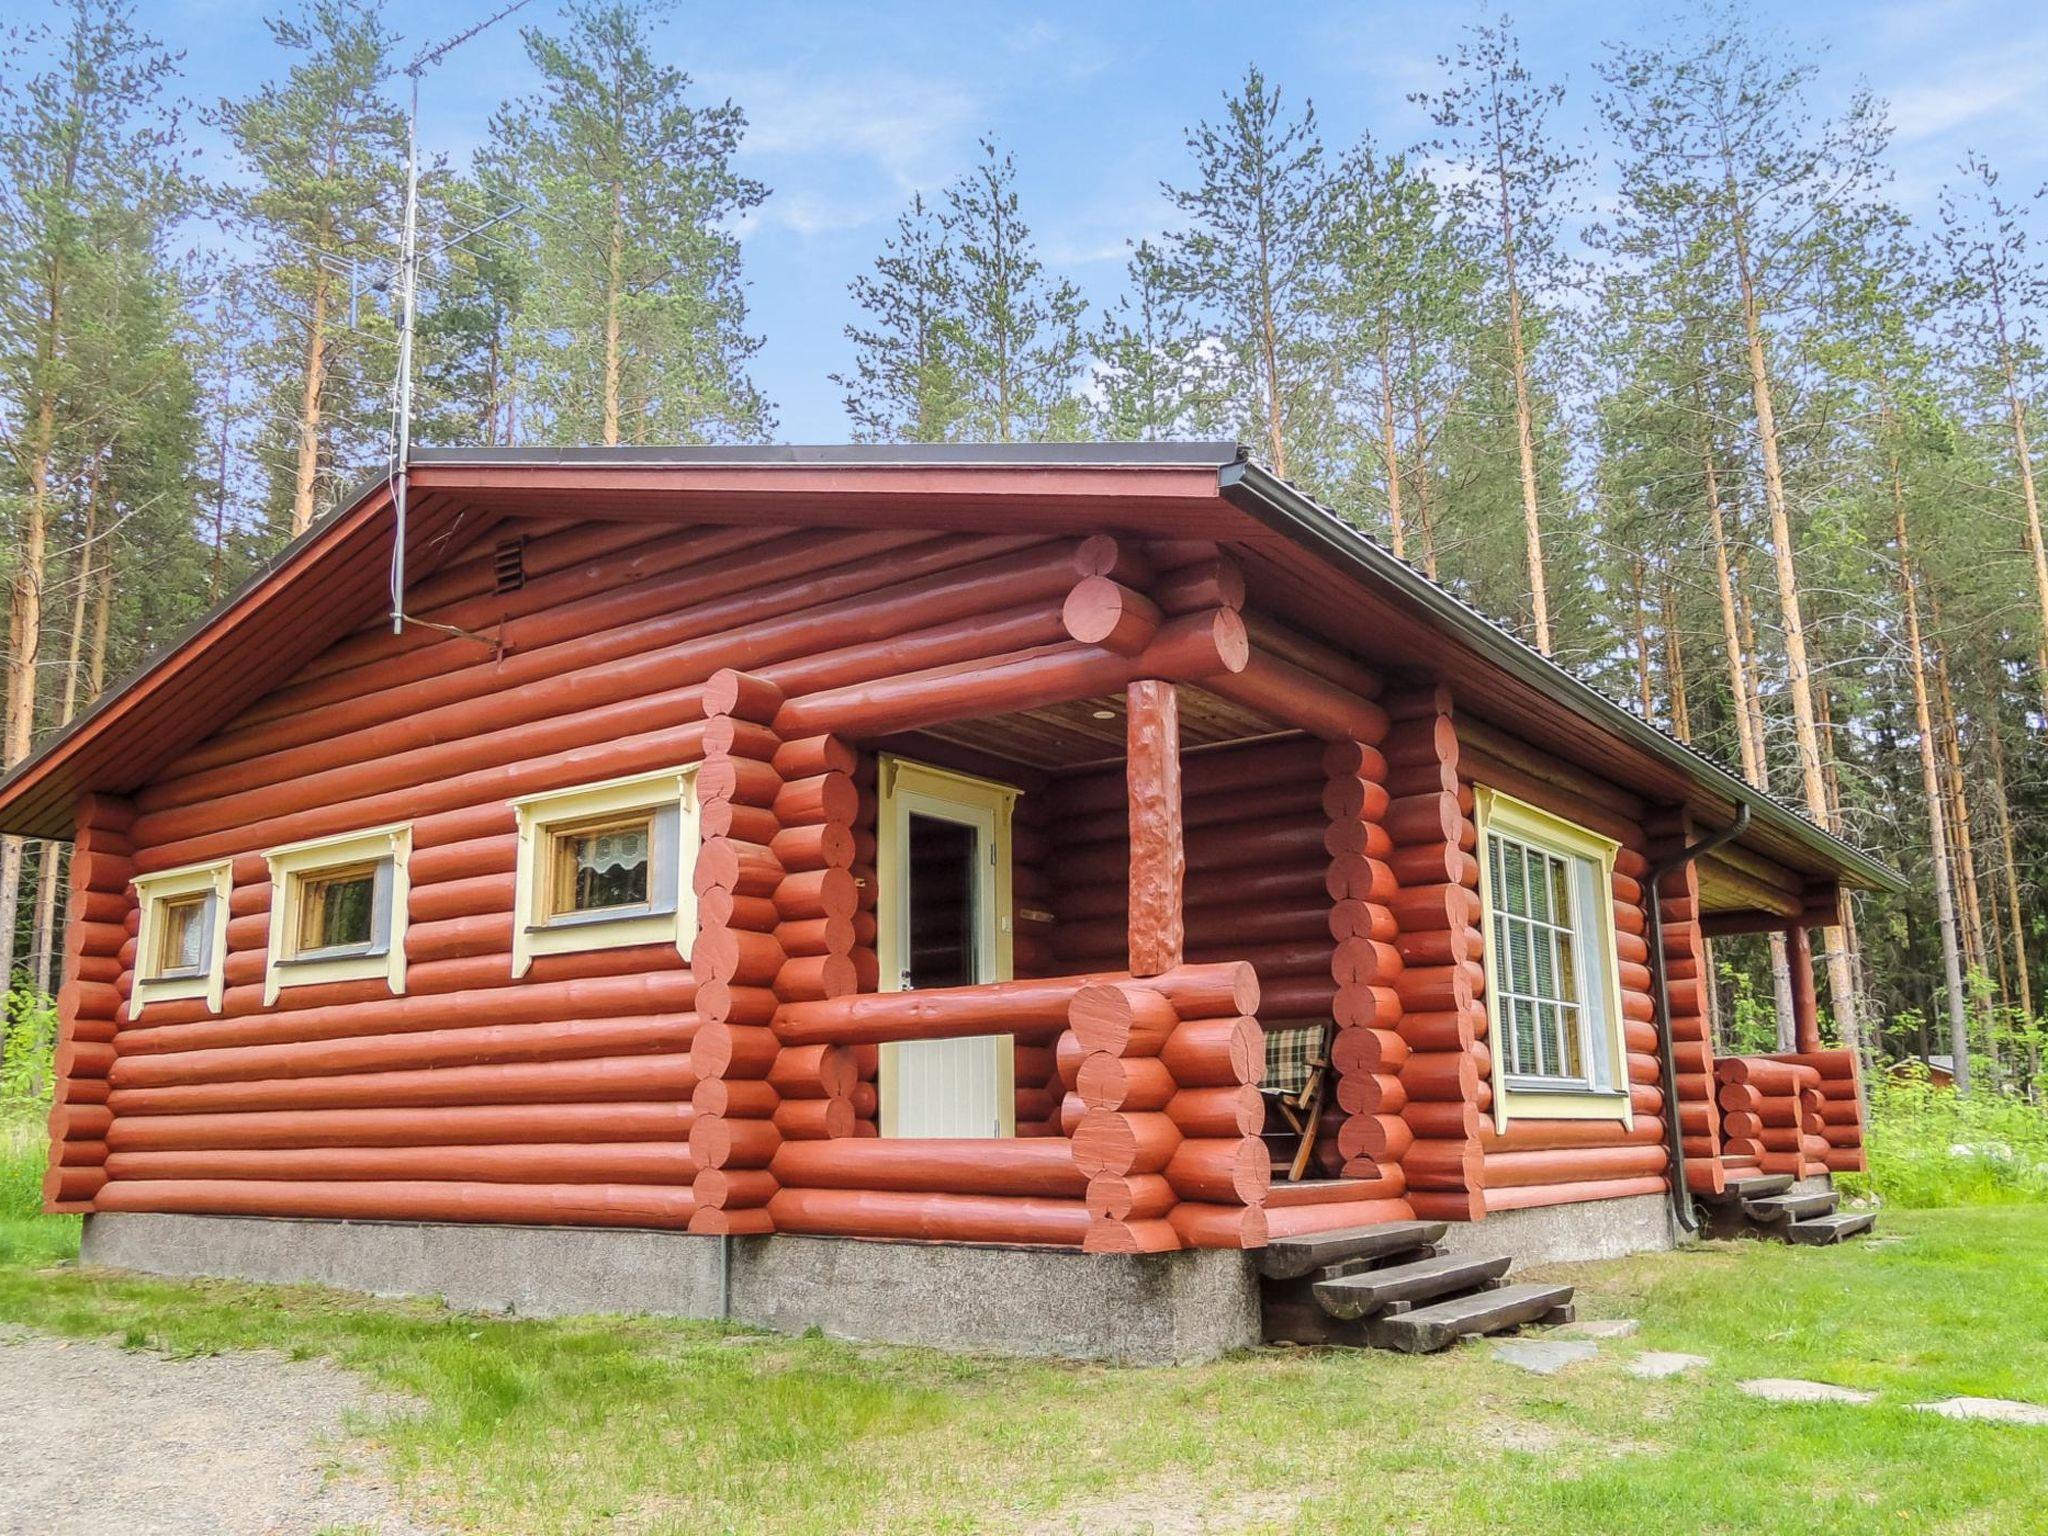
(944, 920)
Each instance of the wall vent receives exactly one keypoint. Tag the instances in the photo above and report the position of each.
(509, 566)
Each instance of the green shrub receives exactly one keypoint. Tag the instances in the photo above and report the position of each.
(1929, 1146)
(27, 1078)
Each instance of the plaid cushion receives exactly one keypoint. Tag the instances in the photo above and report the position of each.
(1290, 1053)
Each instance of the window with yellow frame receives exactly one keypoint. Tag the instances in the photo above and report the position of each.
(338, 910)
(1553, 981)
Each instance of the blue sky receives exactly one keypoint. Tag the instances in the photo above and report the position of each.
(854, 107)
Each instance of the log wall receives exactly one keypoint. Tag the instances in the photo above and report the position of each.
(1330, 885)
(631, 1086)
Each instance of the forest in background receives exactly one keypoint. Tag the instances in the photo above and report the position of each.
(1741, 444)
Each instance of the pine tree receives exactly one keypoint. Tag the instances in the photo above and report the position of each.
(1250, 259)
(1496, 118)
(905, 385)
(86, 174)
(325, 152)
(1019, 337)
(633, 310)
(1154, 368)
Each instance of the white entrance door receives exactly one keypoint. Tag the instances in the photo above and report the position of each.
(943, 856)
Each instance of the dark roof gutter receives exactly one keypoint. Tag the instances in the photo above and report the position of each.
(1286, 510)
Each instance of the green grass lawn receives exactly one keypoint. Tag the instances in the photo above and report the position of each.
(633, 1424)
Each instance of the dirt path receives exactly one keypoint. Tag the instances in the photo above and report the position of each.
(96, 1439)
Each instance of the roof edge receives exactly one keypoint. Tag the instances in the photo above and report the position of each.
(1198, 454)
(1273, 501)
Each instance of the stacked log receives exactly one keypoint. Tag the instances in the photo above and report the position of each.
(1367, 1052)
(1834, 1110)
(1771, 1109)
(738, 957)
(98, 947)
(1685, 986)
(1125, 1138)
(821, 925)
(1443, 1078)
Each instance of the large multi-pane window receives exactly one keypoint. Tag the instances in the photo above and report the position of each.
(1542, 1002)
(1552, 988)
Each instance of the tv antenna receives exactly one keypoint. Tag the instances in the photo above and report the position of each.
(409, 257)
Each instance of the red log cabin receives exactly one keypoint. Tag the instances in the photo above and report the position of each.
(1099, 849)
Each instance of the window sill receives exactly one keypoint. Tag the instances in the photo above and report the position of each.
(1532, 1103)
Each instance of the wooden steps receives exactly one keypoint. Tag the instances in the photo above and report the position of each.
(1818, 1231)
(1287, 1258)
(1376, 1290)
(1392, 1286)
(1779, 1208)
(1431, 1328)
(1769, 1206)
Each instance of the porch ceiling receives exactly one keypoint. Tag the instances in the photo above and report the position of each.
(1083, 732)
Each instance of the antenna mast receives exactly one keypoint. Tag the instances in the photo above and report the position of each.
(408, 298)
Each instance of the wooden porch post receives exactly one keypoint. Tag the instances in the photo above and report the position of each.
(1158, 854)
(1805, 1000)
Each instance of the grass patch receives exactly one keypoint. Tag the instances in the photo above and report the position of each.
(1929, 1147)
(645, 1425)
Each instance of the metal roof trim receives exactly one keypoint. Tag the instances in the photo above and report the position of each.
(1282, 507)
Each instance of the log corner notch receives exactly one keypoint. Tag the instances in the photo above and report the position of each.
(1682, 970)
(89, 1008)
(736, 959)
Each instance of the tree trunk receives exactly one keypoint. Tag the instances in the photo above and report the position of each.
(614, 296)
(2023, 459)
(1798, 674)
(307, 474)
(1646, 697)
(2016, 920)
(1749, 738)
(1390, 450)
(1425, 514)
(1674, 664)
(1930, 778)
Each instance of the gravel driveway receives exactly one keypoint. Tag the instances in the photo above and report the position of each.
(96, 1440)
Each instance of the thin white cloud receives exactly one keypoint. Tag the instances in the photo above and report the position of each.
(909, 128)
(1970, 90)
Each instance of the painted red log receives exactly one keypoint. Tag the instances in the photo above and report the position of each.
(1221, 1170)
(1158, 859)
(1216, 1052)
(625, 1205)
(930, 1217)
(616, 1162)
(1101, 612)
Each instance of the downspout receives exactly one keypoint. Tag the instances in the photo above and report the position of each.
(1660, 987)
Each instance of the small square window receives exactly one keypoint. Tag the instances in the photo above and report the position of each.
(181, 937)
(601, 867)
(605, 866)
(337, 912)
(181, 945)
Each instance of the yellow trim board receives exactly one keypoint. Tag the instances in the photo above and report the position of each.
(1494, 811)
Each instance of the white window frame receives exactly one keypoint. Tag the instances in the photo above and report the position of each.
(390, 849)
(152, 893)
(670, 916)
(1604, 1094)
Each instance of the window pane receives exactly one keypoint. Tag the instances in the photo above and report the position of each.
(184, 928)
(1525, 1058)
(1560, 891)
(1514, 893)
(1546, 965)
(598, 868)
(338, 911)
(1567, 969)
(1567, 1060)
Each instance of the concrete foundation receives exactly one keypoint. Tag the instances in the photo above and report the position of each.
(1566, 1234)
(1137, 1309)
